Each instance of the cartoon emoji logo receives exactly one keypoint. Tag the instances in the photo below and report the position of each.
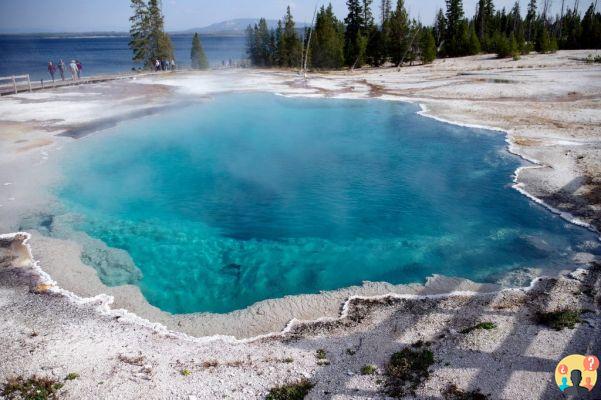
(576, 375)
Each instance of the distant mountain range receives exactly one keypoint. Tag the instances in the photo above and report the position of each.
(235, 27)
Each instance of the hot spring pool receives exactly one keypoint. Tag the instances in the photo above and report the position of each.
(253, 196)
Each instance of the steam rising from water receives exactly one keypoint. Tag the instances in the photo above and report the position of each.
(255, 196)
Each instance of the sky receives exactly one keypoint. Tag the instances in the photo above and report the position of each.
(112, 15)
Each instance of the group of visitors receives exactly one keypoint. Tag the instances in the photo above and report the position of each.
(74, 67)
(164, 65)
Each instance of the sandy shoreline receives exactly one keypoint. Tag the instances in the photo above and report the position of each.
(567, 178)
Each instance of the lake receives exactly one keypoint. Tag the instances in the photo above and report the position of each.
(29, 54)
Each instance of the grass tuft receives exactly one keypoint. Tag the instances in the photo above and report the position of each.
(559, 320)
(369, 369)
(185, 372)
(292, 391)
(321, 354)
(71, 376)
(408, 369)
(34, 388)
(482, 325)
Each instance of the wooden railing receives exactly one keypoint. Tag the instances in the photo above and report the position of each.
(14, 83)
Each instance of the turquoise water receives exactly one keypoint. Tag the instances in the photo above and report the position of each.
(253, 196)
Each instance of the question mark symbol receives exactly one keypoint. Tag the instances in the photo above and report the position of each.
(591, 363)
(563, 369)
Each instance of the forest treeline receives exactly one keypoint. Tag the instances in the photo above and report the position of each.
(399, 39)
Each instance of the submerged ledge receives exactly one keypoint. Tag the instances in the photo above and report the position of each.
(20, 255)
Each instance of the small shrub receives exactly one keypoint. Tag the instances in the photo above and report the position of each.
(482, 325)
(408, 369)
(368, 369)
(351, 352)
(320, 354)
(293, 391)
(454, 393)
(288, 360)
(185, 372)
(34, 388)
(559, 319)
(71, 376)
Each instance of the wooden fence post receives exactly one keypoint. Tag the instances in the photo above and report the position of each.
(15, 84)
(29, 82)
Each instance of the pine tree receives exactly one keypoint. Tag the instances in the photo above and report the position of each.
(591, 29)
(440, 28)
(354, 43)
(474, 46)
(399, 33)
(327, 49)
(160, 46)
(530, 20)
(368, 17)
(457, 33)
(148, 39)
(289, 45)
(197, 55)
(139, 31)
(427, 46)
(385, 10)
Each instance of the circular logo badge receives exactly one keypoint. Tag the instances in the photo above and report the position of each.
(577, 374)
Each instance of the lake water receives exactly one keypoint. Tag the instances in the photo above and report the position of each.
(253, 196)
(29, 54)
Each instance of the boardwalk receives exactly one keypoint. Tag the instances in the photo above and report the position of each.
(21, 83)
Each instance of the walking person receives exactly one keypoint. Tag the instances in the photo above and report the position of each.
(157, 65)
(61, 69)
(74, 70)
(51, 70)
(79, 68)
(172, 64)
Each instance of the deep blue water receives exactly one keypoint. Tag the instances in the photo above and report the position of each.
(248, 197)
(29, 54)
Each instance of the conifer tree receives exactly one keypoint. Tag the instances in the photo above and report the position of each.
(591, 29)
(354, 42)
(289, 45)
(139, 31)
(327, 49)
(197, 55)
(385, 10)
(440, 28)
(159, 42)
(148, 39)
(457, 31)
(530, 20)
(399, 33)
(427, 46)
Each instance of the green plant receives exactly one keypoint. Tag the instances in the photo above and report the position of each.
(481, 325)
(71, 376)
(292, 391)
(559, 319)
(185, 372)
(288, 360)
(34, 388)
(368, 369)
(408, 369)
(320, 354)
